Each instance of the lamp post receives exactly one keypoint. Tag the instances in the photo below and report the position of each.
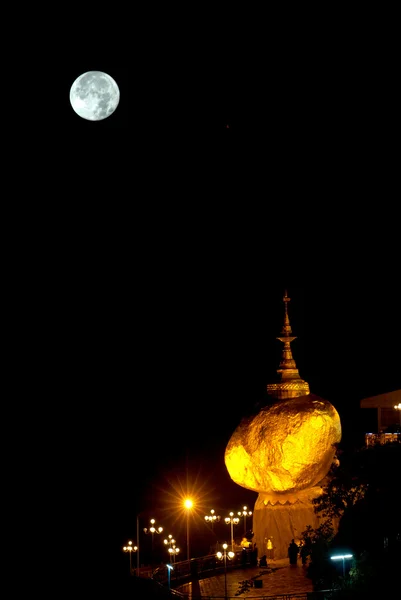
(245, 513)
(188, 504)
(234, 521)
(152, 529)
(398, 407)
(169, 541)
(342, 557)
(137, 543)
(130, 548)
(169, 568)
(212, 518)
(172, 549)
(223, 556)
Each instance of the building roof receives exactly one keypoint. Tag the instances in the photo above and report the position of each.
(388, 400)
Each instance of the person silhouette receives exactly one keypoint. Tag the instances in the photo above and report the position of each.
(263, 561)
(303, 553)
(270, 548)
(293, 552)
(254, 555)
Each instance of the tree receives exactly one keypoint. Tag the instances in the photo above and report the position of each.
(343, 488)
(316, 545)
(361, 491)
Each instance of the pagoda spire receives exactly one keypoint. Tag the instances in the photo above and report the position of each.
(290, 384)
(288, 368)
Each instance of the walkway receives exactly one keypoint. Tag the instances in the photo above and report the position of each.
(278, 578)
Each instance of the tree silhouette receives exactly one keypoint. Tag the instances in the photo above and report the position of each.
(362, 492)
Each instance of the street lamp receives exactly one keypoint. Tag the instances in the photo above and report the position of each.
(130, 548)
(234, 521)
(212, 518)
(245, 513)
(169, 541)
(172, 549)
(152, 529)
(137, 543)
(343, 557)
(223, 556)
(188, 504)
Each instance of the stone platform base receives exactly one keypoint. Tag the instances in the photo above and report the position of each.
(281, 517)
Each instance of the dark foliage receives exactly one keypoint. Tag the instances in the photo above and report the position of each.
(363, 493)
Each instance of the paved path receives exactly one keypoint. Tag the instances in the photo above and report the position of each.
(278, 578)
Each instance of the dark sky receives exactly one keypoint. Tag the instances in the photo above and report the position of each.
(154, 249)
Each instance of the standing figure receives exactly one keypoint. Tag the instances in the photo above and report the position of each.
(293, 552)
(303, 553)
(270, 549)
(254, 556)
(263, 561)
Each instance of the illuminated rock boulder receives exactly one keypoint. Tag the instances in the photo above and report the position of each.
(287, 447)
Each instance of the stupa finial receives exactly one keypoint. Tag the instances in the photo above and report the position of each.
(290, 385)
(286, 327)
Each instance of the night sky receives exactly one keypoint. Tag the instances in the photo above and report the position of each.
(155, 250)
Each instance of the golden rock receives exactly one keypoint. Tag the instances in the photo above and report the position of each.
(286, 447)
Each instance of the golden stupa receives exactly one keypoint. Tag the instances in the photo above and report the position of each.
(284, 452)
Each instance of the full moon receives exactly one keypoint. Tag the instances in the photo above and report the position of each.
(94, 95)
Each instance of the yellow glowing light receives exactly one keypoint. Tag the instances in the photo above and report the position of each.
(188, 503)
(219, 555)
(197, 490)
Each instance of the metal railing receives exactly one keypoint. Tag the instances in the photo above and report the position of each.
(178, 594)
(209, 566)
(205, 566)
(371, 439)
(319, 595)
